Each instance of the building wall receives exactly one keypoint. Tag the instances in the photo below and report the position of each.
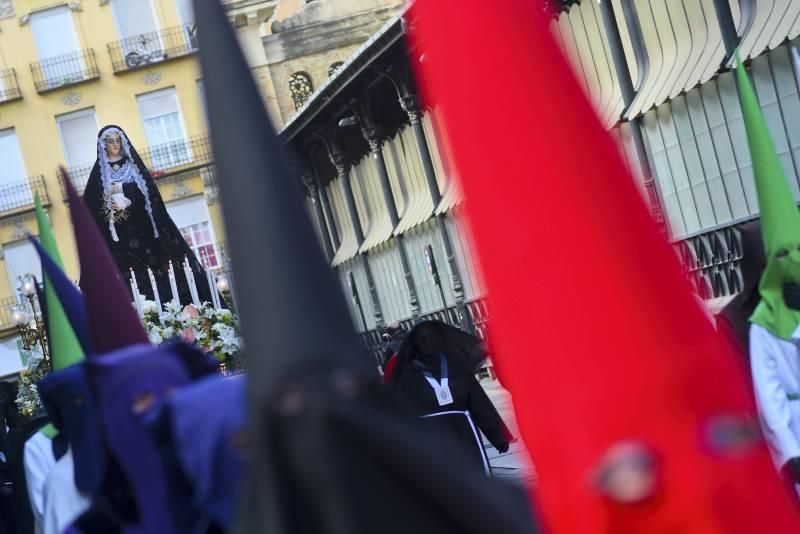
(309, 37)
(113, 98)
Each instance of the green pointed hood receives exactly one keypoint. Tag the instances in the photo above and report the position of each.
(65, 349)
(780, 218)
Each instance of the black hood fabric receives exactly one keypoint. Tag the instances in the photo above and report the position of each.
(328, 454)
(461, 347)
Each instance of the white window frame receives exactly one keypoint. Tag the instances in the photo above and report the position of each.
(185, 137)
(36, 271)
(64, 117)
(205, 218)
(55, 82)
(128, 47)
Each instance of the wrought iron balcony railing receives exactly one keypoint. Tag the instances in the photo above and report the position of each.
(7, 307)
(17, 197)
(162, 161)
(62, 71)
(713, 262)
(9, 88)
(142, 50)
(178, 156)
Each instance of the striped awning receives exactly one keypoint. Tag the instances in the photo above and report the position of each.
(414, 203)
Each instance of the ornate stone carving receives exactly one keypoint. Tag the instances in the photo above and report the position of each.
(74, 6)
(410, 105)
(372, 136)
(6, 9)
(71, 98)
(151, 78)
(210, 190)
(180, 191)
(339, 161)
(308, 180)
(18, 231)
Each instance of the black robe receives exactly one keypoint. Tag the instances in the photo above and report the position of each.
(411, 390)
(138, 248)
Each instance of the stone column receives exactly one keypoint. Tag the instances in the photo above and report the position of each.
(342, 172)
(309, 179)
(372, 135)
(410, 104)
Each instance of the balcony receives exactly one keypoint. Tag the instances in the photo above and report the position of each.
(178, 156)
(17, 197)
(9, 88)
(63, 71)
(163, 161)
(155, 47)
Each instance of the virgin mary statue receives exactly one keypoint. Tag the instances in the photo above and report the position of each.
(131, 215)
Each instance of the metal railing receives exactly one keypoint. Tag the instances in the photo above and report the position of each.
(713, 262)
(178, 156)
(478, 311)
(7, 307)
(17, 197)
(9, 87)
(142, 50)
(61, 71)
(79, 175)
(161, 160)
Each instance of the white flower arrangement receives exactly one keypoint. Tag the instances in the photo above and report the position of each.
(214, 330)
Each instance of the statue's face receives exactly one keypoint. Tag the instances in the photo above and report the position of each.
(113, 145)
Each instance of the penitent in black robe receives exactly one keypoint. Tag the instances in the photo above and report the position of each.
(138, 248)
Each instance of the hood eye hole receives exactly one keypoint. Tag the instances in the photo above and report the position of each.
(782, 253)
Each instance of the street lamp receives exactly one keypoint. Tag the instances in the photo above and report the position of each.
(30, 325)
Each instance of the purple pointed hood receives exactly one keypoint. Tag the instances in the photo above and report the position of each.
(113, 321)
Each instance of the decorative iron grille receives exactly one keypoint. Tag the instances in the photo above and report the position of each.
(17, 197)
(334, 67)
(61, 71)
(143, 50)
(713, 262)
(9, 88)
(301, 88)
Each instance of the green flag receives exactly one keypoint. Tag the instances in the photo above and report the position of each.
(65, 349)
(780, 219)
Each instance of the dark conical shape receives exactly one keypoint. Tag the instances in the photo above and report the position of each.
(112, 319)
(292, 310)
(329, 456)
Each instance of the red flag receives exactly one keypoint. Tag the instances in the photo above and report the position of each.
(594, 326)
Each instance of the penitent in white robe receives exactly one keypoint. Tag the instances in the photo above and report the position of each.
(38, 462)
(63, 503)
(775, 365)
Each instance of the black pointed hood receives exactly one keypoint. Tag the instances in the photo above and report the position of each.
(293, 312)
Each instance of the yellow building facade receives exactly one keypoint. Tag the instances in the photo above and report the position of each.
(66, 70)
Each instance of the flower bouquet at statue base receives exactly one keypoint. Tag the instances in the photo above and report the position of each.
(214, 330)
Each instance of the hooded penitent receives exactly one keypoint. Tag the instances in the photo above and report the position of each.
(142, 234)
(326, 453)
(619, 382)
(780, 219)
